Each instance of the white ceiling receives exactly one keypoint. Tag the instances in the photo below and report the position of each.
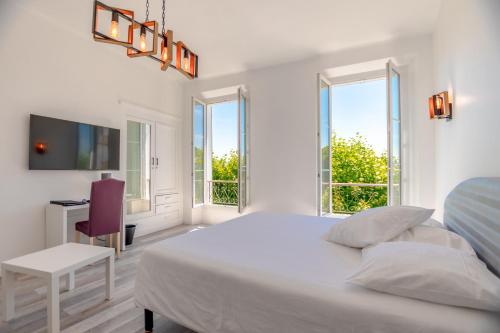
(237, 35)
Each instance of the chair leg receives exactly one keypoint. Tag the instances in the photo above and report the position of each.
(109, 240)
(77, 236)
(118, 244)
(91, 240)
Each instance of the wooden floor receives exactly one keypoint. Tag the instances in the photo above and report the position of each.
(84, 309)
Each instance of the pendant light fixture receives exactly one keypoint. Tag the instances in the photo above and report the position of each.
(143, 38)
(145, 29)
(167, 42)
(186, 61)
(102, 13)
(114, 25)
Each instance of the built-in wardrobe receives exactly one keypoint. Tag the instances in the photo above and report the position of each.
(153, 196)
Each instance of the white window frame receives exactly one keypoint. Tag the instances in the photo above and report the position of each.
(360, 78)
(202, 102)
(321, 79)
(208, 103)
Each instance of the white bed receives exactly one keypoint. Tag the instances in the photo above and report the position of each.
(275, 273)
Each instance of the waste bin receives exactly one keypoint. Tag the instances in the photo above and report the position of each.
(129, 233)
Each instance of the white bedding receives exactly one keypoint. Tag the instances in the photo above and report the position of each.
(271, 273)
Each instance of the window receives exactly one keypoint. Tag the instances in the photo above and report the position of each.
(220, 152)
(359, 145)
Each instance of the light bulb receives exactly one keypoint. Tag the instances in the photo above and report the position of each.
(164, 54)
(186, 61)
(114, 25)
(142, 39)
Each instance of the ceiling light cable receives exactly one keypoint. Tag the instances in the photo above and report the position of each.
(163, 19)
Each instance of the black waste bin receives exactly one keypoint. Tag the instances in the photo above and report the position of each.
(129, 233)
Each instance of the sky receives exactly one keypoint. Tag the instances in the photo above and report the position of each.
(361, 108)
(357, 108)
(224, 127)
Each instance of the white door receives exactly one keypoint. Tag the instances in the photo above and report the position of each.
(140, 176)
(324, 146)
(198, 174)
(243, 145)
(393, 135)
(167, 141)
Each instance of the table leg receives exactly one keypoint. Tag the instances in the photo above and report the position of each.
(70, 281)
(53, 305)
(110, 276)
(8, 290)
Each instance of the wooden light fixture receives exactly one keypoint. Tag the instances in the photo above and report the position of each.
(167, 50)
(113, 37)
(186, 59)
(146, 28)
(440, 106)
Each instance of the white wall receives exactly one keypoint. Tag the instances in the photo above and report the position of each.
(50, 65)
(283, 124)
(467, 63)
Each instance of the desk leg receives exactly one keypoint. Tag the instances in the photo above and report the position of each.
(53, 305)
(8, 291)
(110, 276)
(70, 281)
(56, 228)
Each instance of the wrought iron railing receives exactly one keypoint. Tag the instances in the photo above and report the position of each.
(223, 192)
(350, 198)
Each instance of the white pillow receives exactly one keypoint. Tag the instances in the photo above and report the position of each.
(429, 272)
(376, 225)
(434, 235)
(434, 223)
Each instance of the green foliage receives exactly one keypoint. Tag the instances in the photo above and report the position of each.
(355, 161)
(225, 168)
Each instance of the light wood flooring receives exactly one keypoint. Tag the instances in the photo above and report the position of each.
(85, 309)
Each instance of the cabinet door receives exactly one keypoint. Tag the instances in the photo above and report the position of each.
(167, 143)
(139, 166)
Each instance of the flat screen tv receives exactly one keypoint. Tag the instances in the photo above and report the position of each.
(57, 144)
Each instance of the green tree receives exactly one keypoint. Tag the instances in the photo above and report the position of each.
(225, 168)
(355, 161)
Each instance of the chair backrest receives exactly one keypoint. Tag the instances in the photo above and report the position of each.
(106, 207)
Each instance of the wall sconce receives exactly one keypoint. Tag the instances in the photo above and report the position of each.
(41, 148)
(186, 61)
(440, 106)
(149, 28)
(100, 14)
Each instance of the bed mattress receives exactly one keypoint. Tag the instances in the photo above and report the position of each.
(271, 273)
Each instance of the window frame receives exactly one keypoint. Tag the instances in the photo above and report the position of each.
(207, 139)
(360, 78)
(321, 79)
(193, 186)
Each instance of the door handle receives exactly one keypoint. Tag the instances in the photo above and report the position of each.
(157, 163)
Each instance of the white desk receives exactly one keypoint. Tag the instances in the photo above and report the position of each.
(58, 217)
(51, 264)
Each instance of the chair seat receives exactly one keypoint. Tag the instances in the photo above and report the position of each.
(84, 228)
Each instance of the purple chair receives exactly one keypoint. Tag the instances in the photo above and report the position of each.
(105, 213)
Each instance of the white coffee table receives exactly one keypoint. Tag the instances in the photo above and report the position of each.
(51, 264)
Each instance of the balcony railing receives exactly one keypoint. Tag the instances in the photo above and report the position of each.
(350, 198)
(223, 192)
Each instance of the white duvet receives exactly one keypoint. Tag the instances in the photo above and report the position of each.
(270, 273)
